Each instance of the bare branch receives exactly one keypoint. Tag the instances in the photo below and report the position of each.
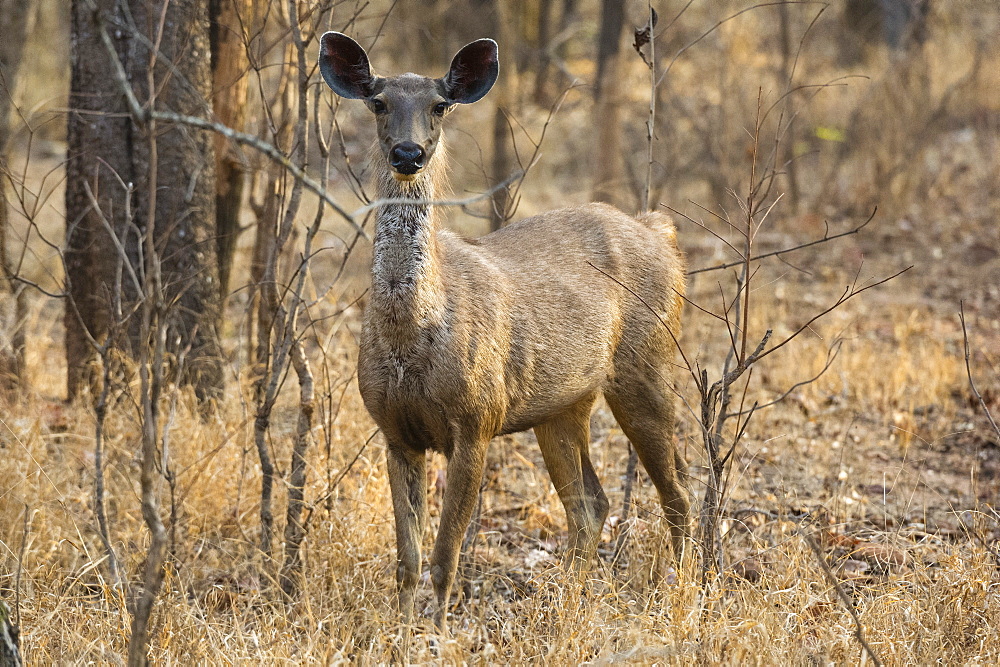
(390, 201)
(849, 294)
(777, 253)
(858, 628)
(830, 358)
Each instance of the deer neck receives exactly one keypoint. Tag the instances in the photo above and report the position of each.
(407, 294)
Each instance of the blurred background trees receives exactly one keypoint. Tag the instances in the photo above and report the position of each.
(19, 19)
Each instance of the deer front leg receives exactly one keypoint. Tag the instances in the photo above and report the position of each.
(408, 481)
(465, 472)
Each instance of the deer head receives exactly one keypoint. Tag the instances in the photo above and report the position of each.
(408, 108)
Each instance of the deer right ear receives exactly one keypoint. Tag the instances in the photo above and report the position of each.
(473, 71)
(344, 65)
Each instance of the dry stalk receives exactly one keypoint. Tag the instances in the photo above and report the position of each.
(859, 632)
(152, 353)
(20, 564)
(990, 545)
(643, 37)
(968, 371)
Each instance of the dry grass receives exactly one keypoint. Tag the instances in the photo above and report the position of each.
(812, 464)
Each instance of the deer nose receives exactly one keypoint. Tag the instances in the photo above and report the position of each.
(407, 157)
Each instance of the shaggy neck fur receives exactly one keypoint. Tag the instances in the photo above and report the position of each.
(406, 283)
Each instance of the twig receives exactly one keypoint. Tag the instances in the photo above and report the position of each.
(858, 629)
(826, 237)
(719, 24)
(336, 482)
(20, 564)
(830, 358)
(515, 191)
(392, 201)
(968, 370)
(848, 294)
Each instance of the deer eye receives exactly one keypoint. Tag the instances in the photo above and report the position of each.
(378, 106)
(440, 108)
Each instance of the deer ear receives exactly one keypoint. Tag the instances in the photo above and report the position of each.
(473, 71)
(344, 65)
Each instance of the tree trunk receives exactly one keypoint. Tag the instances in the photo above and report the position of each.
(608, 162)
(17, 17)
(897, 23)
(121, 164)
(543, 42)
(229, 101)
(787, 61)
(97, 154)
(503, 159)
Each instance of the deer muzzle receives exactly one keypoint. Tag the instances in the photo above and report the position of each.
(406, 159)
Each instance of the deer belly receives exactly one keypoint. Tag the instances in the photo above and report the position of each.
(544, 385)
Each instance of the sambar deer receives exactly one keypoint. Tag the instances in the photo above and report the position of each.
(464, 340)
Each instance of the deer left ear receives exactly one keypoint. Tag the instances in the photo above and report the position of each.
(473, 72)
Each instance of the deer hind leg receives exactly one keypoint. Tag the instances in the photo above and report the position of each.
(408, 482)
(644, 408)
(465, 473)
(565, 445)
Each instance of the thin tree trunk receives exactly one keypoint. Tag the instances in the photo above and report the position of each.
(17, 20)
(263, 273)
(501, 167)
(791, 167)
(543, 42)
(608, 162)
(229, 103)
(503, 159)
(291, 571)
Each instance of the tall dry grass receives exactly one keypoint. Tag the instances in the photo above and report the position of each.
(930, 594)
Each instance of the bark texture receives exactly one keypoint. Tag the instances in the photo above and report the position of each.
(10, 655)
(135, 178)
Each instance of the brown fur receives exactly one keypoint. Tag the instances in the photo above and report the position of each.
(464, 340)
